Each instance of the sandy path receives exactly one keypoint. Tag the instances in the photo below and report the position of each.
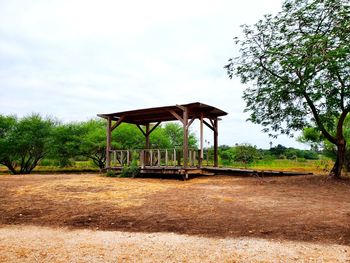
(43, 244)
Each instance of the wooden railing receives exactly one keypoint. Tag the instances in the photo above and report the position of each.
(155, 158)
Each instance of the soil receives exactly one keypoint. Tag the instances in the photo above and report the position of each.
(287, 209)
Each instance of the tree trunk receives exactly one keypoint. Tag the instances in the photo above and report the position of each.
(338, 165)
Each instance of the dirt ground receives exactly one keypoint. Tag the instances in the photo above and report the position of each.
(277, 209)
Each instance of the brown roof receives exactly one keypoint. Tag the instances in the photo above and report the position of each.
(144, 116)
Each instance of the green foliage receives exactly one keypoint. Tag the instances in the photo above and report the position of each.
(298, 65)
(133, 170)
(111, 173)
(246, 153)
(93, 142)
(23, 142)
(282, 152)
(174, 133)
(227, 156)
(65, 143)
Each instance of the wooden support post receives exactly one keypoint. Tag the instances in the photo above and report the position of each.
(216, 163)
(201, 155)
(147, 136)
(174, 157)
(142, 159)
(127, 157)
(166, 157)
(151, 155)
(158, 153)
(185, 141)
(108, 145)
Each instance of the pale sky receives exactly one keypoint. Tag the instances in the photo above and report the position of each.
(75, 59)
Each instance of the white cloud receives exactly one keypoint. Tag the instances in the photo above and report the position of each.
(74, 59)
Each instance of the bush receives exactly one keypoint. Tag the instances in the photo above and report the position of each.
(227, 156)
(246, 153)
(111, 173)
(130, 171)
(133, 170)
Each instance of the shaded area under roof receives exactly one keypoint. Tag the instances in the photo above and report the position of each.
(160, 114)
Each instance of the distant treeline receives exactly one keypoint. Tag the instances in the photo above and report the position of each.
(246, 153)
(29, 141)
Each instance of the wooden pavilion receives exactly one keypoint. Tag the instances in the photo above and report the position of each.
(160, 160)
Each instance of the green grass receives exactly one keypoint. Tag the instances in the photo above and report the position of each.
(321, 166)
(316, 166)
(78, 167)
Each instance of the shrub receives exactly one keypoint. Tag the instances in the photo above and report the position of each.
(111, 173)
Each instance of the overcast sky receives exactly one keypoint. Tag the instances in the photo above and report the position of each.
(74, 59)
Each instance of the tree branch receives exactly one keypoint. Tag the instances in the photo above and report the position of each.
(328, 136)
(342, 90)
(272, 72)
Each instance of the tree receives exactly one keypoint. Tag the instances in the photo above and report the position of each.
(93, 142)
(298, 64)
(174, 132)
(65, 143)
(246, 153)
(23, 142)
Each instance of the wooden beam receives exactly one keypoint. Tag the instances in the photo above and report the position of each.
(181, 107)
(143, 132)
(108, 144)
(208, 125)
(215, 122)
(191, 121)
(119, 121)
(201, 140)
(185, 141)
(147, 136)
(176, 116)
(154, 127)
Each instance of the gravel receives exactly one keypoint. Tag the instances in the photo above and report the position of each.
(44, 244)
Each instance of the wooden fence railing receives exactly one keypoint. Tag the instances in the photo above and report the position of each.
(157, 158)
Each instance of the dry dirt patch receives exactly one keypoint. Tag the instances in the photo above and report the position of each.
(42, 244)
(285, 208)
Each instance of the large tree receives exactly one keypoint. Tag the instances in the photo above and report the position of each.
(23, 142)
(298, 66)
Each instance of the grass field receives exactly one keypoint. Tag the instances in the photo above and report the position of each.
(322, 166)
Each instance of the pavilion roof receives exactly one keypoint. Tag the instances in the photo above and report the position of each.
(160, 114)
